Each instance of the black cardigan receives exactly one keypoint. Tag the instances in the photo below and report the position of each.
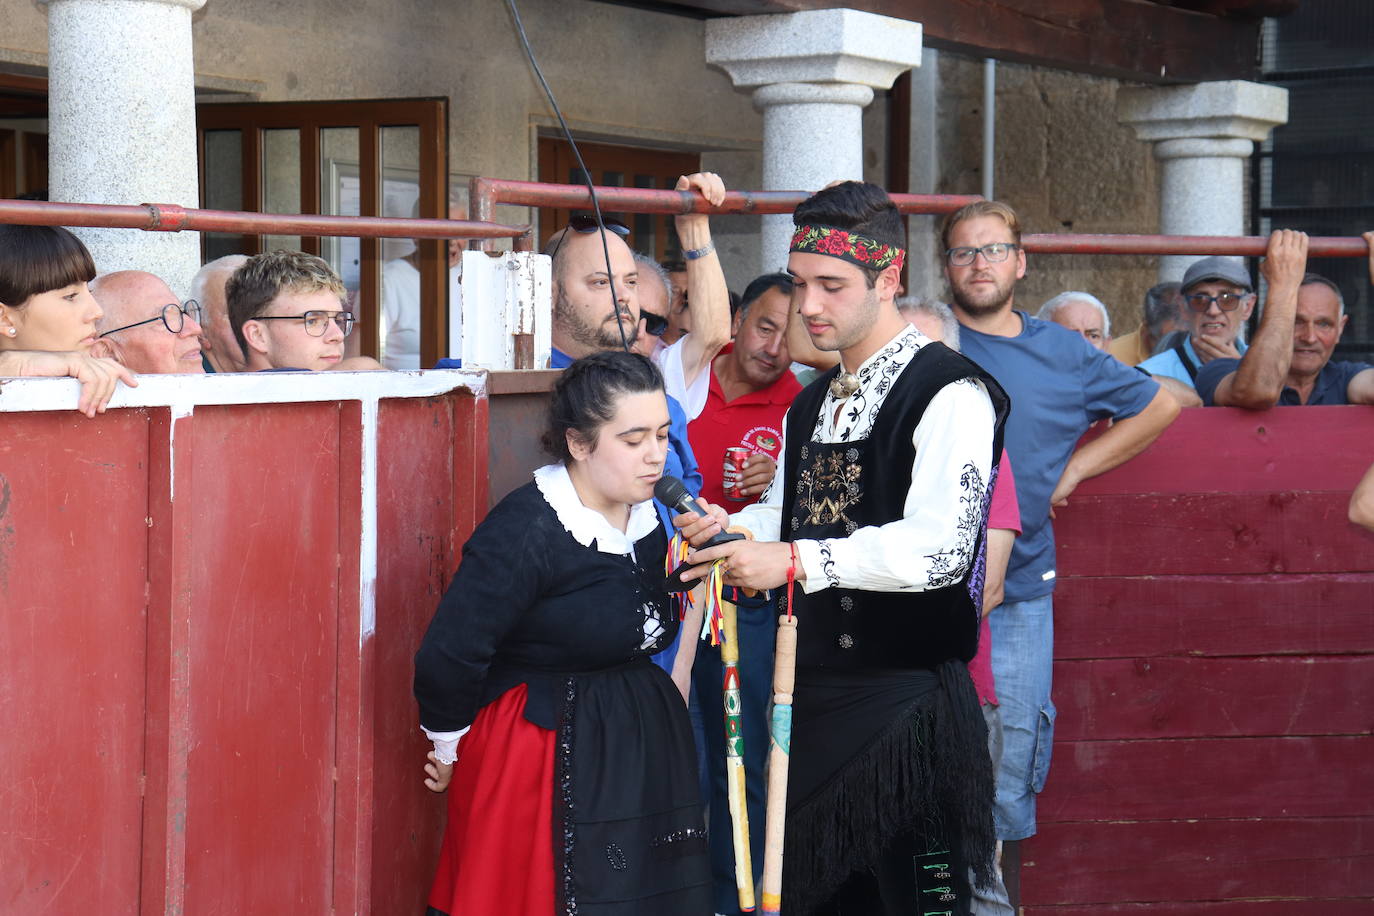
(531, 605)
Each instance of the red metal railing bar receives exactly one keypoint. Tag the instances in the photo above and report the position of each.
(485, 193)
(172, 218)
(1242, 245)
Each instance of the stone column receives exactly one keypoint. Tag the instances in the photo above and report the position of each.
(1202, 134)
(122, 123)
(812, 73)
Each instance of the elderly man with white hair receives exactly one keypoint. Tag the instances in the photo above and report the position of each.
(1082, 313)
(217, 343)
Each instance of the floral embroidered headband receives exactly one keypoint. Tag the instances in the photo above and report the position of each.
(848, 246)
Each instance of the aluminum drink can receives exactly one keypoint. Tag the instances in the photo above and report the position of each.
(733, 472)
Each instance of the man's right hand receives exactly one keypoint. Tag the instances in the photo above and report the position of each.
(698, 530)
(1210, 348)
(1285, 259)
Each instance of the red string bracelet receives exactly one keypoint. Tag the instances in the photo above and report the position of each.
(791, 577)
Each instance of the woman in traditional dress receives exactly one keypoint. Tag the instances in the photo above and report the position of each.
(575, 787)
(47, 313)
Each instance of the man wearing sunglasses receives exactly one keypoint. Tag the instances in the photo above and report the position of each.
(288, 311)
(145, 327)
(1218, 300)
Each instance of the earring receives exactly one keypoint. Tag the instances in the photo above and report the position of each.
(12, 332)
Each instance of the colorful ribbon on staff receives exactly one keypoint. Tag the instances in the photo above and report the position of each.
(714, 615)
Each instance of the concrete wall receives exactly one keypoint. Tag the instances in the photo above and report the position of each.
(1063, 162)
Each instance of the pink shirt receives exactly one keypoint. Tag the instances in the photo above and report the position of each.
(1002, 513)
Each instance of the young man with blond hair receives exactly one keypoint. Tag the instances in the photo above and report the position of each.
(288, 311)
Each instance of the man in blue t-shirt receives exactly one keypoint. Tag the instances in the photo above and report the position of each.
(1289, 363)
(1059, 385)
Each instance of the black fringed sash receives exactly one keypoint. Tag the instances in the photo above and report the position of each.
(878, 755)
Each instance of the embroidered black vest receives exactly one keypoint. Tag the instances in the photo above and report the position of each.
(835, 489)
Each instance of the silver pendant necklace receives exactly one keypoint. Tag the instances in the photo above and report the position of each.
(844, 385)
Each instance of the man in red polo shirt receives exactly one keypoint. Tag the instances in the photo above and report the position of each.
(741, 401)
(740, 404)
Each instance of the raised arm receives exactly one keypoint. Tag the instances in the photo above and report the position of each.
(1258, 380)
(707, 294)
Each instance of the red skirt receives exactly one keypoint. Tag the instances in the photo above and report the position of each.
(497, 855)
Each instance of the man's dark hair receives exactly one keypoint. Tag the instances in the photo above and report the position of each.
(584, 396)
(757, 287)
(1163, 302)
(40, 259)
(855, 206)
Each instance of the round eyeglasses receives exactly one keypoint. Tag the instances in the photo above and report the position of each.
(316, 321)
(172, 316)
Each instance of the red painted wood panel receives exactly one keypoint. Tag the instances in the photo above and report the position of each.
(1224, 697)
(1307, 907)
(1226, 450)
(264, 652)
(1181, 861)
(1209, 778)
(1221, 615)
(417, 460)
(73, 543)
(171, 608)
(353, 766)
(1153, 534)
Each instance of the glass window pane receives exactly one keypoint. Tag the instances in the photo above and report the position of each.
(399, 328)
(281, 180)
(340, 195)
(223, 188)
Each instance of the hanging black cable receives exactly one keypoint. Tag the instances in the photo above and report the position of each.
(582, 166)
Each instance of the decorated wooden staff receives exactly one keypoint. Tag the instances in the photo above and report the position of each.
(734, 761)
(780, 746)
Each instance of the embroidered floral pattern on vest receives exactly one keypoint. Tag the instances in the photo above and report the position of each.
(829, 487)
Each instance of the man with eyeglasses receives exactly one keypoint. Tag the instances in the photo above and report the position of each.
(654, 290)
(288, 311)
(1290, 361)
(1059, 386)
(145, 327)
(1218, 299)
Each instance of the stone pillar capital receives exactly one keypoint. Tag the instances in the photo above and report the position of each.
(811, 93)
(1203, 147)
(814, 46)
(1228, 109)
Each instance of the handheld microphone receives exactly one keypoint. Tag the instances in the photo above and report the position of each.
(672, 493)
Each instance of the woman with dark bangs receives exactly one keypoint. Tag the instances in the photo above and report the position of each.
(47, 313)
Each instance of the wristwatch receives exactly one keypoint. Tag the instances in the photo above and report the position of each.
(693, 254)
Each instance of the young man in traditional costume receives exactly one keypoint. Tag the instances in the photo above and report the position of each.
(878, 512)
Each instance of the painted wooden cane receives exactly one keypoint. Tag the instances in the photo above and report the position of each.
(779, 751)
(734, 760)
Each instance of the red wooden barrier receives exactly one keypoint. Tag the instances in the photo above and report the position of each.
(1215, 677)
(210, 602)
(210, 598)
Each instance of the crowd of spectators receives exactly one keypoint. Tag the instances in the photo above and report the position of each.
(732, 365)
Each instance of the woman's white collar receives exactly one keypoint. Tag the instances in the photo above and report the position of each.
(588, 525)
